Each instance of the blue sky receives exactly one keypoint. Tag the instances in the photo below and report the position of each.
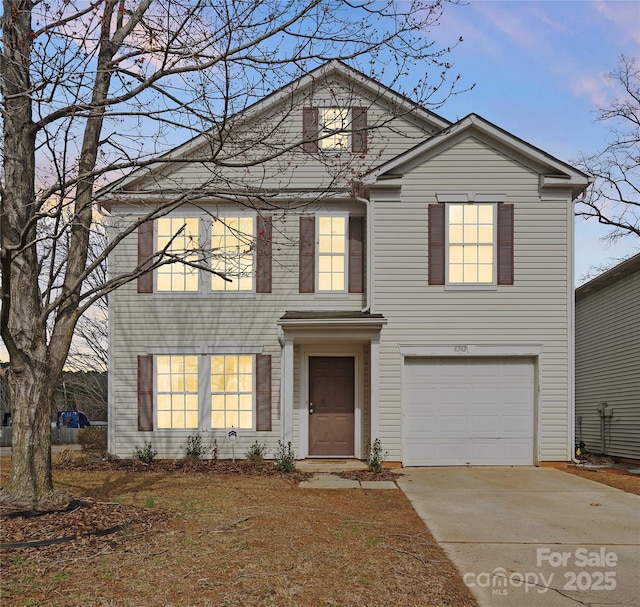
(539, 70)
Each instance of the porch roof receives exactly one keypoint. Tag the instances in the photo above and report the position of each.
(333, 325)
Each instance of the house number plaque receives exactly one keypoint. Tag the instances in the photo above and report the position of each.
(461, 349)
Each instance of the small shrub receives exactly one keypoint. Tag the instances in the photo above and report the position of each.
(146, 455)
(194, 448)
(255, 453)
(63, 457)
(285, 458)
(93, 438)
(375, 456)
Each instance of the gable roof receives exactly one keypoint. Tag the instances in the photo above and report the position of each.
(622, 270)
(325, 72)
(555, 174)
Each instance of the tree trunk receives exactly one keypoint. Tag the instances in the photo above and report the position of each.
(31, 480)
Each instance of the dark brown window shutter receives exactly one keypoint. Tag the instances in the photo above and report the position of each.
(145, 251)
(307, 254)
(263, 254)
(145, 393)
(436, 244)
(263, 392)
(359, 132)
(356, 254)
(310, 128)
(505, 244)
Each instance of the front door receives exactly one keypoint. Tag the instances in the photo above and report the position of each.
(331, 405)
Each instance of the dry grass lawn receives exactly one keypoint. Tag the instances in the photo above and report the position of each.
(199, 538)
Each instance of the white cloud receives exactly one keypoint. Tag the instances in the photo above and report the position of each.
(595, 87)
(625, 15)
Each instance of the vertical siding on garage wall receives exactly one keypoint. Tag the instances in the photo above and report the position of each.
(608, 366)
(534, 310)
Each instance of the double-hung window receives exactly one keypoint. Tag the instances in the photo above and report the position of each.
(332, 253)
(233, 253)
(177, 387)
(471, 244)
(204, 392)
(178, 236)
(232, 389)
(239, 257)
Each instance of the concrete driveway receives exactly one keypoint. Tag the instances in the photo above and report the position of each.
(534, 537)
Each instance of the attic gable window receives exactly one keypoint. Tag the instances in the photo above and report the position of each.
(335, 128)
(334, 123)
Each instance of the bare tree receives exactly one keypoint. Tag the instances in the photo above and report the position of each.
(92, 90)
(614, 198)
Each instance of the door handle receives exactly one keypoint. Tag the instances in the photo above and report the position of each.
(310, 408)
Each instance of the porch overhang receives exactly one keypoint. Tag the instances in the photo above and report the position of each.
(320, 329)
(323, 326)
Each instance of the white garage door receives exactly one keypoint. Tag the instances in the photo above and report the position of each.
(460, 411)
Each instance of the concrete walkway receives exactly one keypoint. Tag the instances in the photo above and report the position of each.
(532, 537)
(324, 480)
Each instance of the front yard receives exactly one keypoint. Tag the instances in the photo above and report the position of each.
(201, 538)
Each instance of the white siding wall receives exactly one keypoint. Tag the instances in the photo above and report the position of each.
(608, 366)
(535, 310)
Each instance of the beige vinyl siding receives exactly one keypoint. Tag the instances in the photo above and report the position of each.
(201, 320)
(608, 366)
(295, 170)
(143, 321)
(534, 311)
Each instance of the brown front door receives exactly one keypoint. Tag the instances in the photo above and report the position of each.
(331, 405)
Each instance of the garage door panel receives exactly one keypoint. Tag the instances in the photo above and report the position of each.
(518, 452)
(468, 411)
(449, 424)
(483, 450)
(517, 425)
(487, 426)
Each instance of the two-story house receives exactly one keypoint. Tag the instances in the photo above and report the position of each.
(385, 274)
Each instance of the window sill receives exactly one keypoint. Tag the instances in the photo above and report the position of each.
(471, 287)
(201, 295)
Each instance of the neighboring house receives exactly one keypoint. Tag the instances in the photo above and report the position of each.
(608, 361)
(395, 276)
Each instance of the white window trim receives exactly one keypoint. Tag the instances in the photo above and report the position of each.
(254, 412)
(171, 293)
(473, 286)
(204, 355)
(345, 290)
(204, 277)
(232, 292)
(347, 131)
(156, 411)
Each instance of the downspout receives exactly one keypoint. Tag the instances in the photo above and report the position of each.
(367, 203)
(578, 198)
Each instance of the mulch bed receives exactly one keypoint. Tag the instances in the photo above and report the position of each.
(88, 462)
